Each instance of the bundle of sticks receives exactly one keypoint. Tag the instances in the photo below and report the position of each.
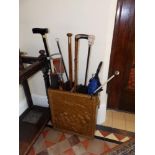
(93, 87)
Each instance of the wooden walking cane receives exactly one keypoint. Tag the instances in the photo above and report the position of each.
(70, 58)
(77, 37)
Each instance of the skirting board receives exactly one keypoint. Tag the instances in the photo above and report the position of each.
(22, 106)
(101, 116)
(40, 100)
(37, 100)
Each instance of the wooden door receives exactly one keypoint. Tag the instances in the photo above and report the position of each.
(121, 90)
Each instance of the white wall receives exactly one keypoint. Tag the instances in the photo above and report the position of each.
(63, 16)
(22, 100)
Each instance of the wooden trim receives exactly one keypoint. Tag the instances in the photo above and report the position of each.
(28, 59)
(29, 71)
(27, 93)
(108, 140)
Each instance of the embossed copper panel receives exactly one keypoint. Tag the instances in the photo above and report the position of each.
(73, 112)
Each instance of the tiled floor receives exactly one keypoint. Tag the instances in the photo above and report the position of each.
(55, 142)
(120, 120)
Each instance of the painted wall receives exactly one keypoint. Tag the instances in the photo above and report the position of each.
(62, 16)
(22, 100)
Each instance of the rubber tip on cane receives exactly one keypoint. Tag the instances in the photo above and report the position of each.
(69, 34)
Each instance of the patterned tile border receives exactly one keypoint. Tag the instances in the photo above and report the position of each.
(113, 135)
(114, 130)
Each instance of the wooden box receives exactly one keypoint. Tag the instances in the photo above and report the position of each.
(73, 112)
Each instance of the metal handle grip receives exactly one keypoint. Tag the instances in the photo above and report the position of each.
(91, 39)
(115, 74)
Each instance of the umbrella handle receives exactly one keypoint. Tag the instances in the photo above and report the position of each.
(115, 74)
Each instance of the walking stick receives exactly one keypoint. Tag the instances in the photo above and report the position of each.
(70, 58)
(91, 39)
(57, 41)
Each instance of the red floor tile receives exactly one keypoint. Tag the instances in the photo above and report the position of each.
(69, 152)
(45, 133)
(119, 136)
(85, 143)
(48, 143)
(104, 133)
(62, 137)
(32, 152)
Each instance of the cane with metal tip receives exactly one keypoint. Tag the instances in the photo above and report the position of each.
(57, 41)
(91, 39)
(115, 74)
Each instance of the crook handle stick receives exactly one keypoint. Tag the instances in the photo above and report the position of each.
(77, 38)
(116, 73)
